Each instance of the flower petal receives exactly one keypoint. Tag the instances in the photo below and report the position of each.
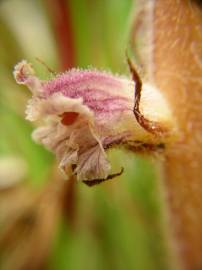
(56, 104)
(24, 74)
(74, 144)
(93, 164)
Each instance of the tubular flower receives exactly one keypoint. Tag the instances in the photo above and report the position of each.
(86, 112)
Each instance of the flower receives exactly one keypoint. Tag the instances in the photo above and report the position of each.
(86, 112)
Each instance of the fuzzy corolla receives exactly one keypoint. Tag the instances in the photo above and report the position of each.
(83, 113)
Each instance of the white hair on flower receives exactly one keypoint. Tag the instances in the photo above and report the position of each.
(86, 112)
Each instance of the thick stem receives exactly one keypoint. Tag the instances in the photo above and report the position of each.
(176, 69)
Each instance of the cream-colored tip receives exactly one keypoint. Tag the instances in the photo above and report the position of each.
(22, 72)
(154, 107)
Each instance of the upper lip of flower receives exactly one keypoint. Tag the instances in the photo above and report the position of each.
(84, 112)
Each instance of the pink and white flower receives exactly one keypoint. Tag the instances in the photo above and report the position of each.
(84, 113)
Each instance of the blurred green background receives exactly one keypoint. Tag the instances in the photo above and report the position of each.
(116, 225)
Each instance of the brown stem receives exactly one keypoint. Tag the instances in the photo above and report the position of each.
(176, 68)
(68, 200)
(61, 20)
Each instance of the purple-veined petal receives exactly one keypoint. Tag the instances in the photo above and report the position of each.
(86, 112)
